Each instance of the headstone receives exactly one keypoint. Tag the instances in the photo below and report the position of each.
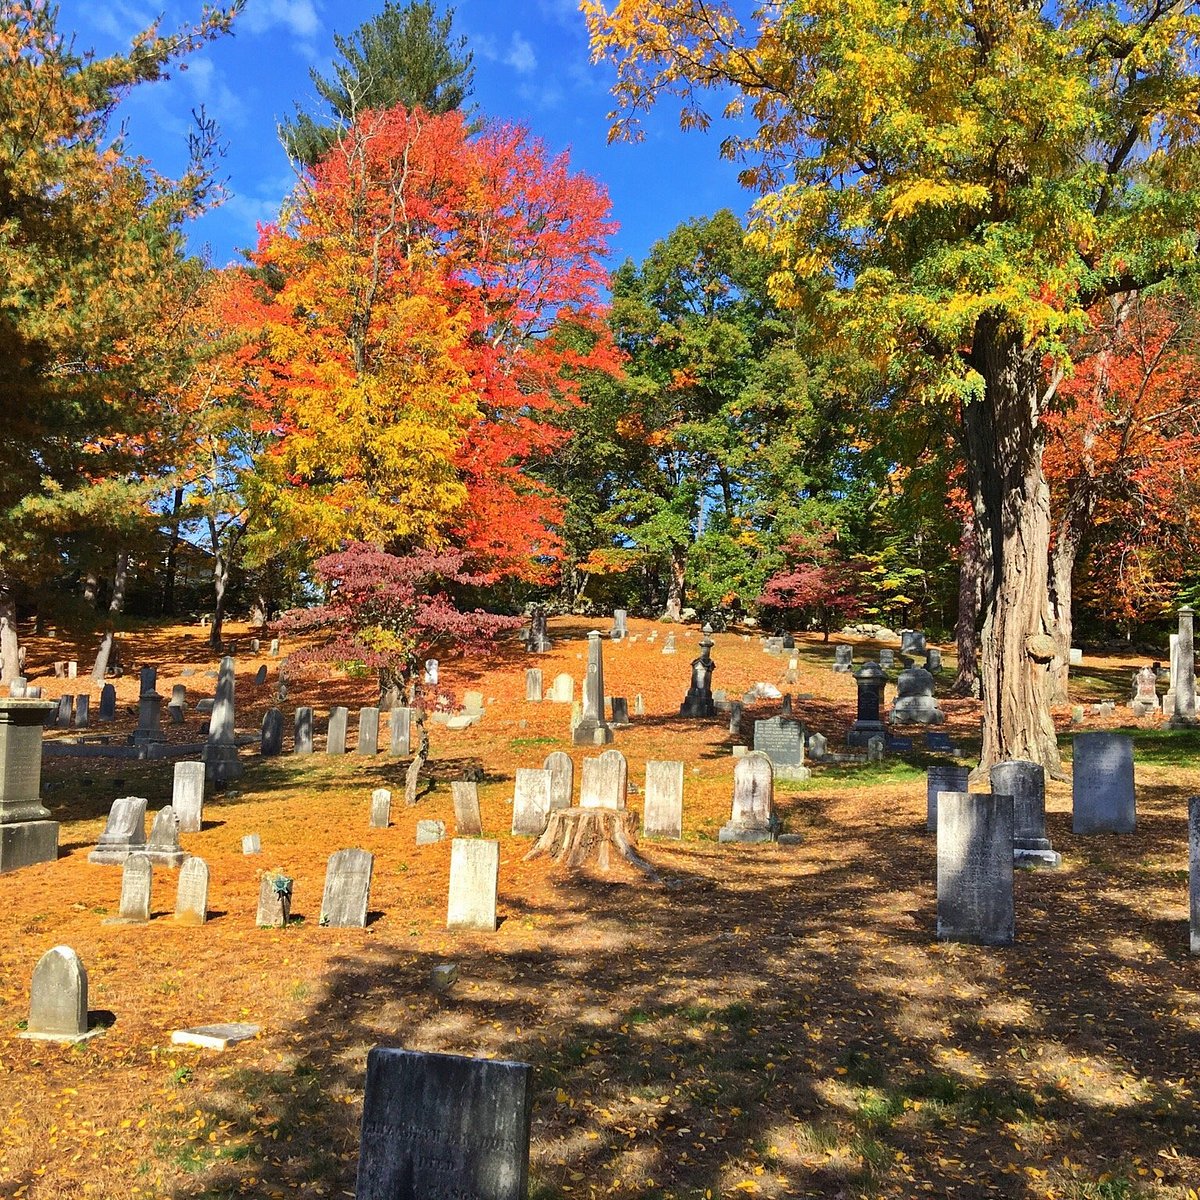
(400, 728)
(335, 737)
(662, 814)
(443, 1125)
(274, 647)
(593, 729)
(147, 680)
(137, 874)
(782, 740)
(933, 660)
(271, 742)
(562, 779)
(381, 808)
(620, 712)
(1194, 872)
(260, 676)
(1185, 674)
(430, 832)
(912, 641)
(539, 641)
(163, 846)
(699, 699)
(304, 731)
(914, 703)
(562, 691)
(669, 644)
(108, 703)
(735, 718)
(73, 669)
(215, 1037)
(82, 705)
(187, 796)
(66, 709)
(818, 747)
(1077, 714)
(124, 832)
(1102, 784)
(467, 820)
(431, 670)
(875, 748)
(1025, 782)
(191, 893)
(27, 834)
(58, 998)
(221, 762)
(938, 780)
(347, 888)
(897, 745)
(619, 630)
(887, 659)
(753, 814)
(975, 869)
(843, 659)
(274, 901)
(605, 781)
(474, 881)
(870, 680)
(473, 702)
(531, 802)
(533, 684)
(1145, 692)
(368, 731)
(1074, 656)
(255, 645)
(251, 844)
(205, 705)
(940, 743)
(639, 705)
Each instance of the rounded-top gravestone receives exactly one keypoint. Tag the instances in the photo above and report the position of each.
(914, 703)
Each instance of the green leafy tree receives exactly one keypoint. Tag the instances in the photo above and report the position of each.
(404, 55)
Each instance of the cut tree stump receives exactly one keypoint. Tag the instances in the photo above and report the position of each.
(575, 837)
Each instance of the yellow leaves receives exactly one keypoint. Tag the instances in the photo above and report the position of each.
(910, 198)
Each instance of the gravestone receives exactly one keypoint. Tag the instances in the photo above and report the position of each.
(887, 659)
(531, 802)
(753, 815)
(274, 647)
(137, 875)
(260, 676)
(592, 729)
(1103, 799)
(474, 881)
(147, 680)
(221, 762)
(897, 745)
(870, 679)
(619, 630)
(933, 660)
(303, 743)
(662, 814)
(912, 641)
(562, 779)
(1025, 782)
(381, 808)
(1074, 656)
(149, 719)
(58, 998)
(251, 844)
(335, 737)
(639, 705)
(539, 641)
(875, 748)
(430, 832)
(699, 699)
(27, 834)
(938, 780)
(187, 796)
(843, 659)
(940, 743)
(108, 703)
(124, 832)
(562, 691)
(473, 703)
(163, 846)
(1184, 664)
(368, 731)
(975, 869)
(669, 644)
(66, 709)
(605, 781)
(400, 730)
(271, 742)
(431, 670)
(274, 901)
(533, 684)
(782, 740)
(818, 747)
(914, 703)
(178, 697)
(347, 889)
(82, 706)
(191, 893)
(620, 712)
(467, 820)
(1194, 872)
(1145, 692)
(73, 669)
(444, 1126)
(735, 718)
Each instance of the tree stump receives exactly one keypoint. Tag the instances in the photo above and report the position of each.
(575, 837)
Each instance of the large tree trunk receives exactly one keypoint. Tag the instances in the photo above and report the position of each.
(10, 642)
(115, 605)
(966, 629)
(1004, 440)
(1068, 536)
(172, 565)
(678, 578)
(220, 583)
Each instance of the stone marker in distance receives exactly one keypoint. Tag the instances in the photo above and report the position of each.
(137, 875)
(474, 882)
(191, 895)
(1103, 799)
(467, 821)
(187, 796)
(347, 888)
(381, 808)
(531, 801)
(214, 1037)
(124, 832)
(975, 869)
(58, 999)
(662, 814)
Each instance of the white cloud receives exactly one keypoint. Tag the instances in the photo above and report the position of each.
(209, 88)
(298, 17)
(520, 56)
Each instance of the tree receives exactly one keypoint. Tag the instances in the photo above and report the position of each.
(403, 56)
(816, 584)
(89, 239)
(954, 187)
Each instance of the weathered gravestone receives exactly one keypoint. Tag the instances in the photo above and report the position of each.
(137, 875)
(531, 802)
(933, 660)
(124, 832)
(444, 1126)
(1185, 673)
(187, 796)
(400, 729)
(818, 747)
(58, 998)
(940, 743)
(474, 880)
(875, 748)
(335, 737)
(304, 731)
(539, 640)
(938, 780)
(221, 762)
(662, 814)
(260, 676)
(347, 888)
(975, 869)
(562, 690)
(66, 708)
(1025, 782)
(467, 819)
(191, 894)
(562, 778)
(753, 815)
(735, 718)
(431, 670)
(1145, 692)
(887, 659)
(912, 641)
(274, 901)
(108, 703)
(274, 648)
(620, 712)
(533, 684)
(473, 703)
(271, 742)
(870, 679)
(593, 729)
(430, 832)
(82, 707)
(1194, 872)
(782, 741)
(843, 659)
(163, 846)
(914, 703)
(620, 630)
(639, 705)
(251, 844)
(381, 808)
(27, 835)
(368, 731)
(605, 781)
(669, 644)
(1103, 799)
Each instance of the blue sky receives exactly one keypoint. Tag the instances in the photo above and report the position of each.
(531, 66)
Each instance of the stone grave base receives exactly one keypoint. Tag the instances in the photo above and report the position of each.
(575, 837)
(24, 843)
(785, 772)
(1035, 852)
(166, 858)
(734, 832)
(861, 732)
(221, 763)
(114, 856)
(69, 1038)
(214, 1037)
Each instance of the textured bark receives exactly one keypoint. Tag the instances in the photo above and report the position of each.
(115, 606)
(966, 629)
(10, 642)
(413, 775)
(171, 569)
(1068, 536)
(1004, 439)
(220, 583)
(576, 837)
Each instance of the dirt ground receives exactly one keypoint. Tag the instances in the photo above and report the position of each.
(772, 1021)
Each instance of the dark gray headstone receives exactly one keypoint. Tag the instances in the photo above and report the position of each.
(272, 733)
(781, 740)
(147, 680)
(66, 708)
(442, 1125)
(108, 703)
(975, 869)
(1102, 787)
(260, 676)
(347, 888)
(942, 779)
(304, 732)
(82, 705)
(1025, 782)
(620, 712)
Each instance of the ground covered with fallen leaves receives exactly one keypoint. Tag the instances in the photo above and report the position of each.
(769, 1021)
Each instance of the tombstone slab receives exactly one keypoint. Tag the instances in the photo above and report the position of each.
(191, 893)
(274, 902)
(27, 834)
(429, 833)
(938, 780)
(58, 999)
(781, 739)
(753, 814)
(335, 737)
(137, 877)
(304, 731)
(381, 808)
(214, 1037)
(531, 802)
(870, 679)
(163, 847)
(1103, 799)
(533, 684)
(221, 762)
(347, 889)
(662, 814)
(251, 844)
(124, 833)
(108, 703)
(562, 778)
(474, 882)
(368, 731)
(843, 659)
(604, 782)
(400, 732)
(271, 742)
(975, 869)
(187, 796)
(593, 729)
(467, 820)
(1025, 782)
